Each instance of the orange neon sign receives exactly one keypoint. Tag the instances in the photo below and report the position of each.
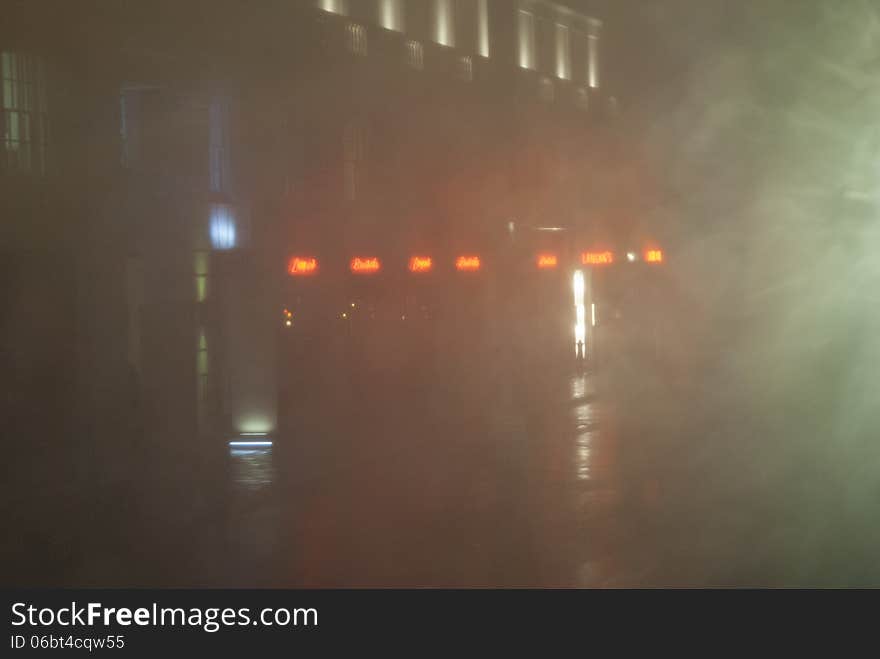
(299, 265)
(467, 263)
(365, 265)
(597, 258)
(546, 261)
(421, 264)
(654, 256)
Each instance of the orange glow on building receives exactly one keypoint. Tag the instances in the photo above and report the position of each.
(300, 265)
(421, 264)
(654, 256)
(547, 261)
(467, 263)
(597, 258)
(365, 265)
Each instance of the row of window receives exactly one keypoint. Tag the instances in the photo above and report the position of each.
(550, 38)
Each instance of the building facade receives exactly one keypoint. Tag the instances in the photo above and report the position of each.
(161, 173)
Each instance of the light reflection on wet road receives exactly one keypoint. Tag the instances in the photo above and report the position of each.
(512, 494)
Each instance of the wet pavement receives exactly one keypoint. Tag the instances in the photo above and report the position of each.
(422, 490)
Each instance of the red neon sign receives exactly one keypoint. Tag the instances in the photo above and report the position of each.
(299, 265)
(365, 265)
(597, 258)
(654, 256)
(546, 261)
(421, 264)
(467, 263)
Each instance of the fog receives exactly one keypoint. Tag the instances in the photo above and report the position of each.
(441, 433)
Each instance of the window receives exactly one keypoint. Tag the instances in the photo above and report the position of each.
(563, 52)
(357, 39)
(391, 15)
(23, 115)
(526, 31)
(465, 68)
(354, 144)
(415, 55)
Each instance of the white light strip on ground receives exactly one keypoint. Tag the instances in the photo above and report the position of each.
(241, 443)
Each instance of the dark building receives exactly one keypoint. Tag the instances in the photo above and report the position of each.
(162, 162)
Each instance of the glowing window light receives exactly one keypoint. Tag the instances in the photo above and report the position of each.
(547, 261)
(222, 227)
(597, 258)
(302, 265)
(654, 256)
(467, 263)
(365, 265)
(421, 264)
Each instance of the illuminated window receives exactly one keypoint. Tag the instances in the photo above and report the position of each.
(415, 55)
(221, 227)
(563, 52)
(356, 39)
(526, 33)
(391, 14)
(465, 68)
(23, 115)
(444, 23)
(354, 157)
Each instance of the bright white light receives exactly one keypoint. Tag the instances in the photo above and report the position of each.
(593, 61)
(253, 434)
(443, 23)
(526, 27)
(482, 28)
(563, 52)
(222, 227)
(391, 15)
(251, 444)
(593, 313)
(630, 256)
(333, 6)
(580, 327)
